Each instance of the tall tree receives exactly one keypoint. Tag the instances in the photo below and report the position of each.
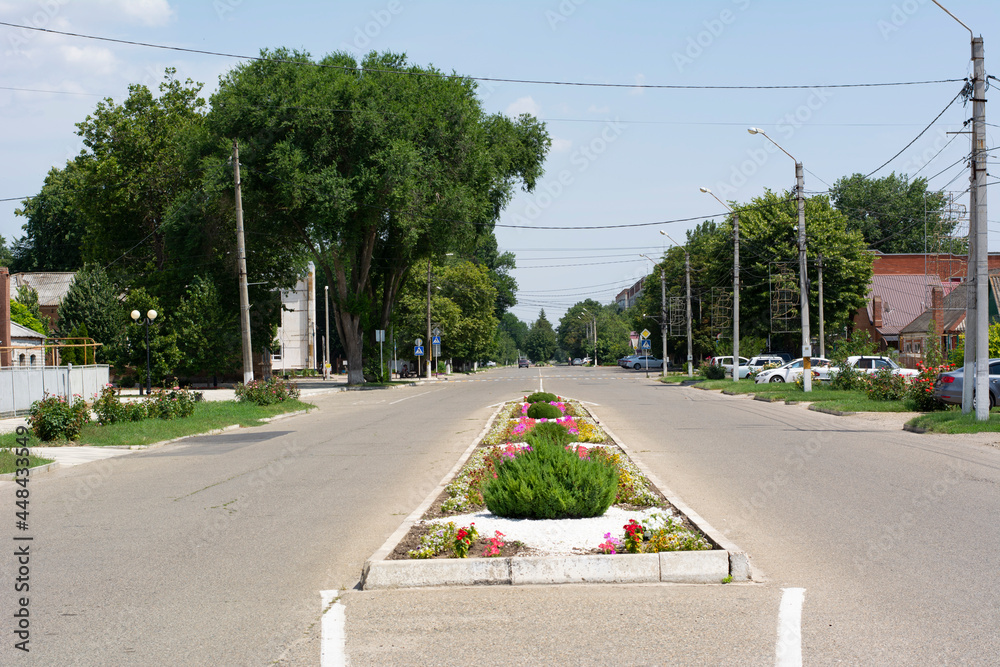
(895, 214)
(56, 224)
(93, 300)
(541, 343)
(373, 168)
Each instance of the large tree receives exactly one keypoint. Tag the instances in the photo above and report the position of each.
(895, 214)
(93, 300)
(541, 343)
(56, 225)
(373, 168)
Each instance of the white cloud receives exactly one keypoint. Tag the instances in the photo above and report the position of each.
(146, 12)
(561, 145)
(523, 105)
(95, 59)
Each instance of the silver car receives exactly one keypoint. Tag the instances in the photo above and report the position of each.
(948, 386)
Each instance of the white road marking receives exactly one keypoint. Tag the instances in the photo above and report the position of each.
(788, 651)
(332, 653)
(414, 396)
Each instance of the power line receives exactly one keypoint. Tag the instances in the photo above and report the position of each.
(473, 78)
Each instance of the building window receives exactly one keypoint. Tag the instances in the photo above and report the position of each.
(21, 359)
(32, 360)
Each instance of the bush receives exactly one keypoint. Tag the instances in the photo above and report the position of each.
(52, 418)
(542, 410)
(920, 396)
(127, 381)
(110, 409)
(551, 482)
(847, 378)
(173, 404)
(266, 392)
(714, 372)
(885, 385)
(542, 396)
(550, 431)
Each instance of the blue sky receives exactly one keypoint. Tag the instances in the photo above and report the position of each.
(621, 155)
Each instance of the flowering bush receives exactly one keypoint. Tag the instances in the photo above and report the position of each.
(464, 537)
(110, 409)
(663, 533)
(921, 392)
(434, 542)
(493, 545)
(172, 404)
(267, 392)
(53, 418)
(633, 536)
(885, 385)
(611, 545)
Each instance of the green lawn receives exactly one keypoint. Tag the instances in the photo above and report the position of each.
(835, 399)
(953, 421)
(8, 461)
(207, 416)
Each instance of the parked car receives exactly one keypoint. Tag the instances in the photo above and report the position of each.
(727, 362)
(624, 361)
(759, 362)
(642, 361)
(523, 363)
(872, 364)
(792, 371)
(576, 362)
(948, 386)
(490, 364)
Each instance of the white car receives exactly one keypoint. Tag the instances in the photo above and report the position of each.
(727, 363)
(792, 371)
(873, 364)
(757, 363)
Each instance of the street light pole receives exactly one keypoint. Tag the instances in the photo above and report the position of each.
(803, 277)
(736, 286)
(150, 316)
(663, 315)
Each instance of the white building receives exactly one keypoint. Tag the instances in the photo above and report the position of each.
(297, 332)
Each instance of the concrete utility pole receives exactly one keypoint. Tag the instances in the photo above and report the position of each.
(326, 311)
(241, 259)
(687, 271)
(429, 349)
(822, 335)
(978, 206)
(663, 317)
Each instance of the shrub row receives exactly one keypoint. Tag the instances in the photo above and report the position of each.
(267, 392)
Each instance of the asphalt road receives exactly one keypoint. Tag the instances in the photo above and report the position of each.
(214, 551)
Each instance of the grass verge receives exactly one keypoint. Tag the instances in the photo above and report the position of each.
(208, 416)
(835, 399)
(953, 421)
(8, 461)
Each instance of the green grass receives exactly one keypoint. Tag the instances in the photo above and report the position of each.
(207, 416)
(8, 461)
(835, 399)
(953, 421)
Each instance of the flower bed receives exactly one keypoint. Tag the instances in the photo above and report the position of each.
(458, 524)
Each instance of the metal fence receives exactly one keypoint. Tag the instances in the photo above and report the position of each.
(20, 386)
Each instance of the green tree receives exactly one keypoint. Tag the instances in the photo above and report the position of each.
(207, 335)
(515, 328)
(6, 256)
(22, 315)
(165, 356)
(470, 287)
(370, 168)
(541, 343)
(56, 224)
(895, 214)
(574, 332)
(93, 300)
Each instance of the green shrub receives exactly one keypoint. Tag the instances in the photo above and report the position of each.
(847, 378)
(920, 396)
(549, 432)
(714, 372)
(542, 396)
(885, 385)
(542, 410)
(52, 418)
(551, 482)
(171, 404)
(266, 392)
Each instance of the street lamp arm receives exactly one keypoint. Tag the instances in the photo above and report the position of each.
(756, 130)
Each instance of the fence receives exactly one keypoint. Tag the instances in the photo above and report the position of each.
(20, 386)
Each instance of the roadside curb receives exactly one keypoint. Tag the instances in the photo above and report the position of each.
(767, 399)
(702, 567)
(830, 411)
(37, 470)
(914, 429)
(216, 431)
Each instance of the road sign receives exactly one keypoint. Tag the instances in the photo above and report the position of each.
(380, 335)
(436, 349)
(419, 342)
(645, 333)
(645, 344)
(436, 340)
(418, 350)
(436, 331)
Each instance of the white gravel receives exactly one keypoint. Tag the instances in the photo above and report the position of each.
(555, 537)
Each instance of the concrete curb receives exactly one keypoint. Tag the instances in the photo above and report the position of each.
(216, 431)
(767, 399)
(830, 411)
(701, 567)
(37, 470)
(914, 429)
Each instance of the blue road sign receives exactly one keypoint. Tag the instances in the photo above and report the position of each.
(645, 344)
(436, 340)
(418, 350)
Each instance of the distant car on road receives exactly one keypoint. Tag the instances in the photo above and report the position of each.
(641, 361)
(490, 364)
(792, 371)
(523, 363)
(948, 386)
(576, 362)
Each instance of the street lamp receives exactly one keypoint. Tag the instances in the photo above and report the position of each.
(736, 285)
(687, 273)
(803, 278)
(150, 316)
(663, 314)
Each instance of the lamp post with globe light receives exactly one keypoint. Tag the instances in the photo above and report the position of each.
(150, 316)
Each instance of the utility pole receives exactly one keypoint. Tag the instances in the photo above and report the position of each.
(687, 271)
(736, 297)
(822, 336)
(430, 348)
(241, 258)
(800, 195)
(326, 310)
(978, 206)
